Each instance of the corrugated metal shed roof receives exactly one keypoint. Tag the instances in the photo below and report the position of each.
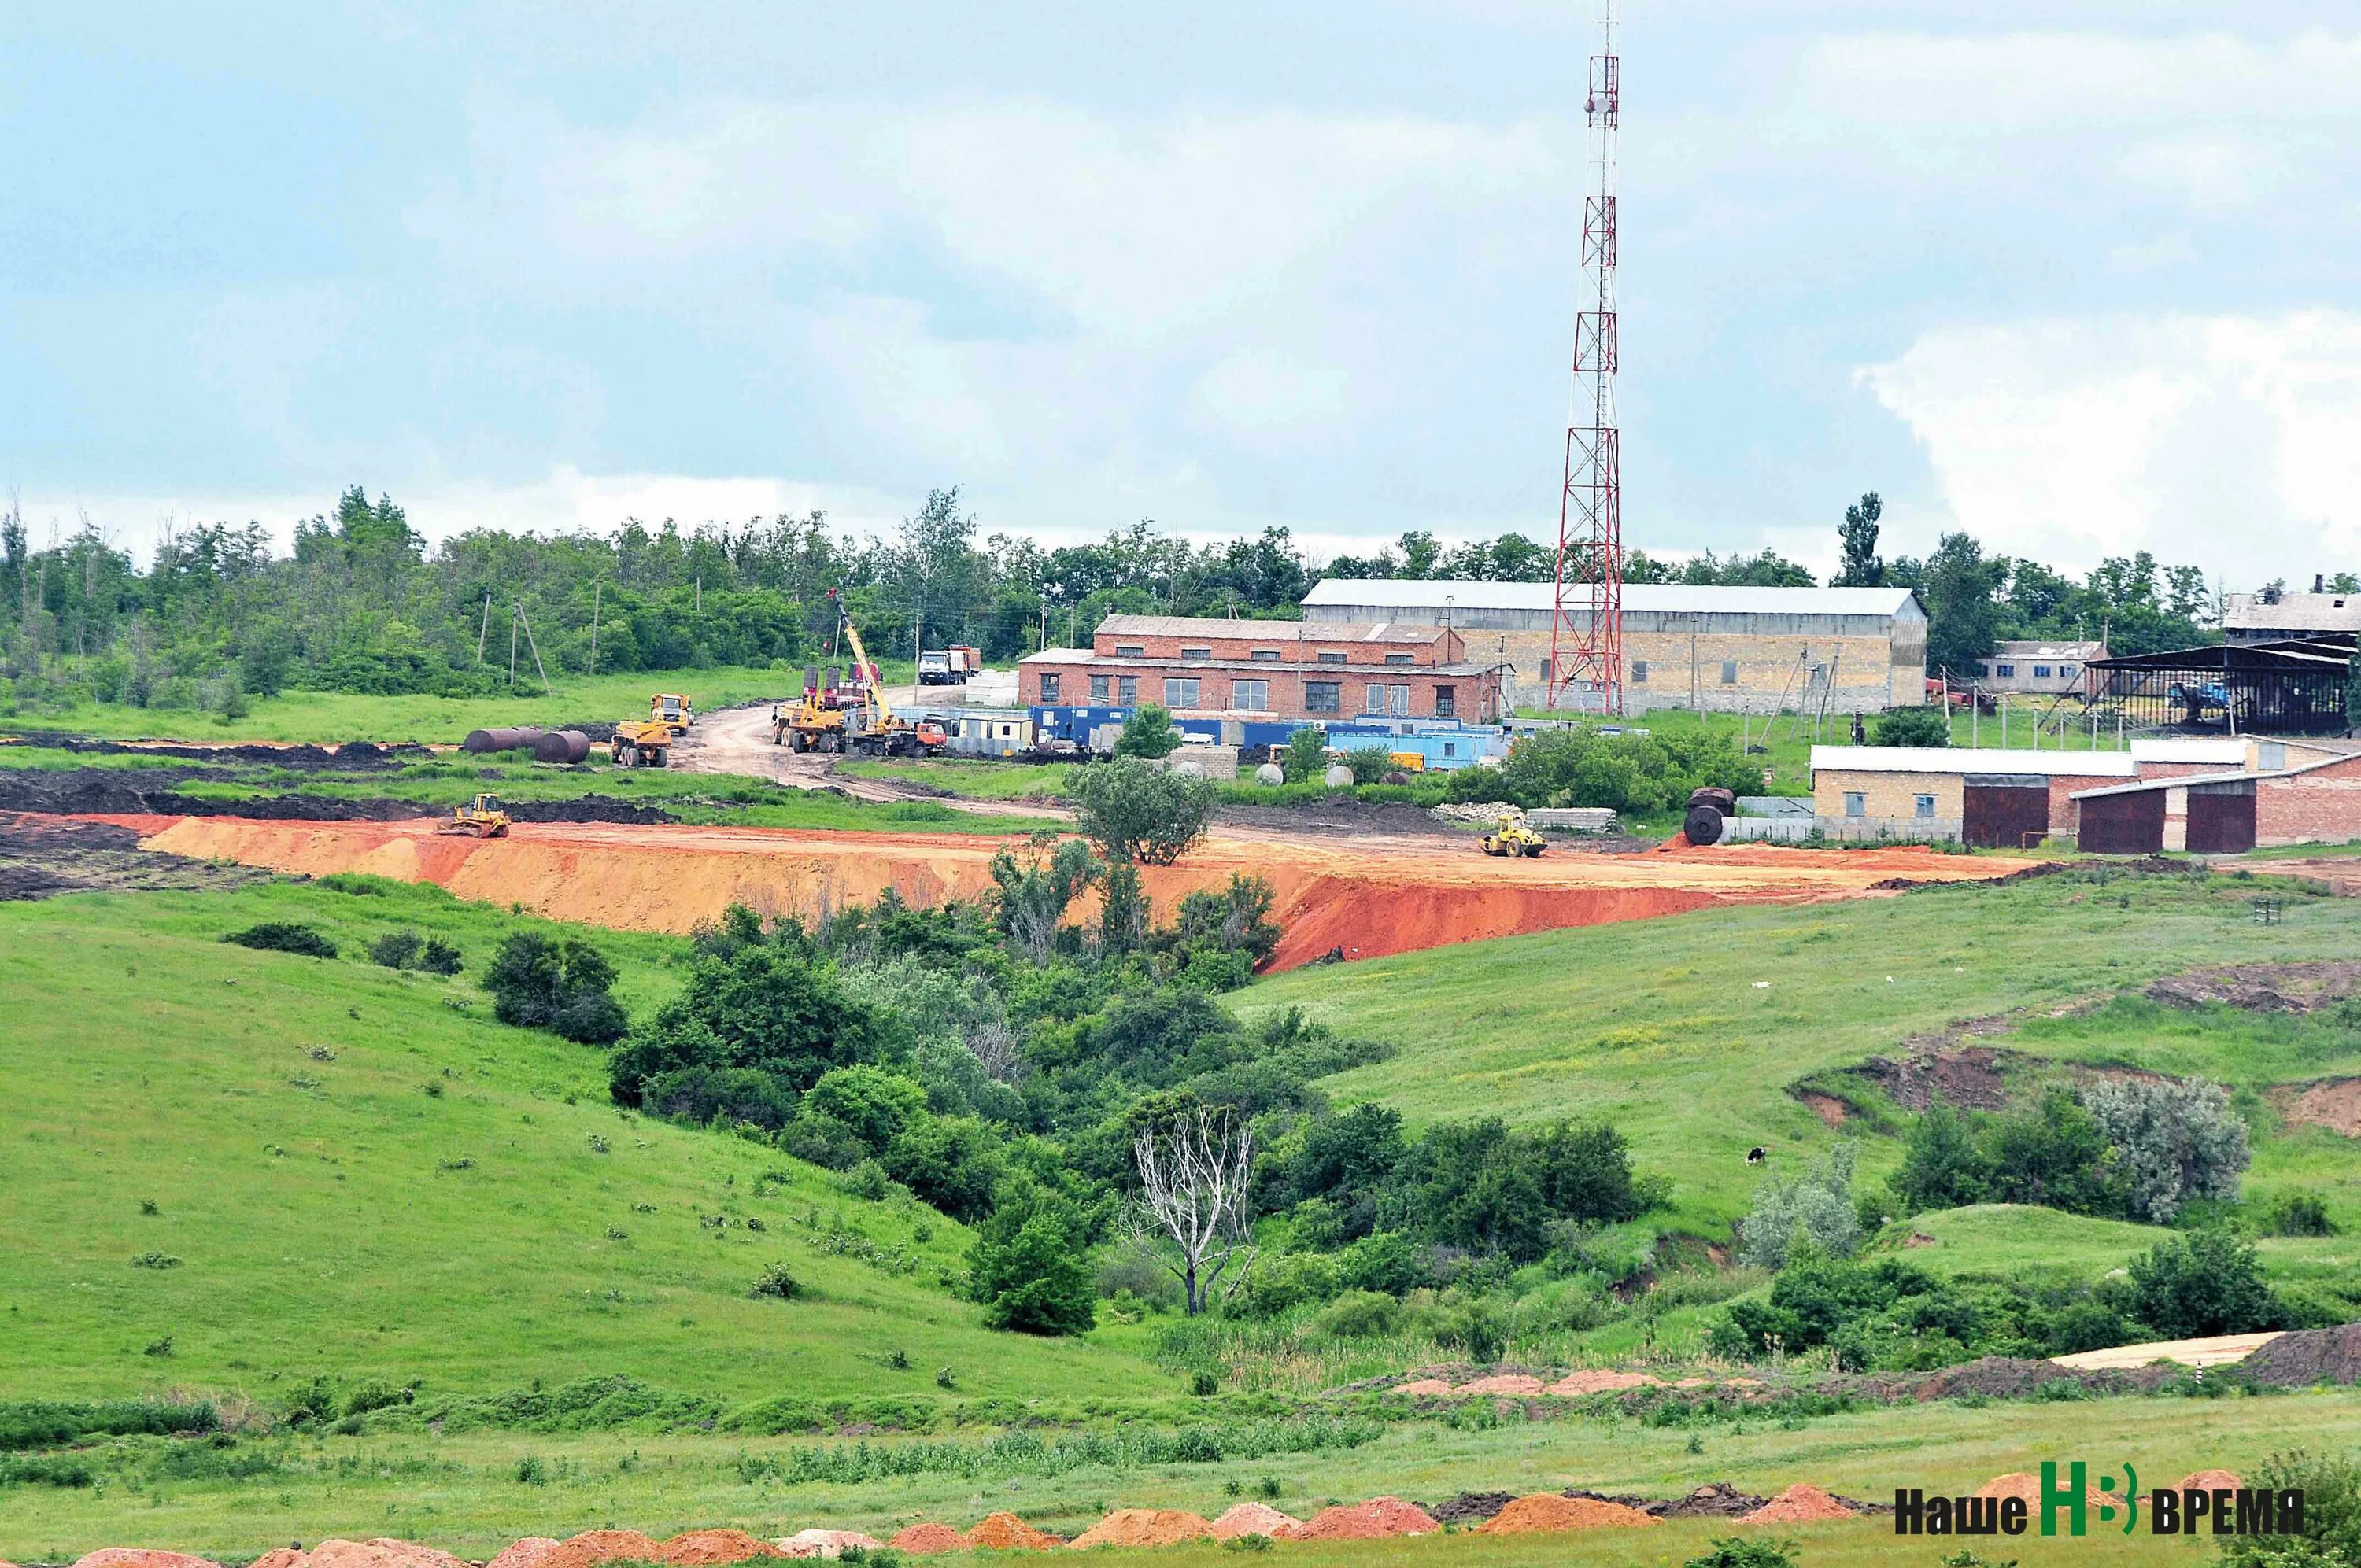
(1971, 760)
(2293, 612)
(2049, 651)
(1428, 596)
(1262, 631)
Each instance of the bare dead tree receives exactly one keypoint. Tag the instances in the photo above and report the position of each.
(1195, 1178)
(997, 1050)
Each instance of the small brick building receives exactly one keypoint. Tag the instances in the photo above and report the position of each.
(1281, 670)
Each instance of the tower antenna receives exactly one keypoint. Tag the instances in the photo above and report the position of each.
(1586, 617)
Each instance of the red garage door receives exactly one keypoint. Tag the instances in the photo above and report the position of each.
(2003, 811)
(2127, 824)
(2221, 820)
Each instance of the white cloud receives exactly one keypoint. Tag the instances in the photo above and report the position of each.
(2226, 440)
(1260, 390)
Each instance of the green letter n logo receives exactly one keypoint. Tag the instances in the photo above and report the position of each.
(2069, 1498)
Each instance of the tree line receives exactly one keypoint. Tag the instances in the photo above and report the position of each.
(362, 604)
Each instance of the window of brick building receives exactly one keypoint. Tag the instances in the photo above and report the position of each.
(1638, 671)
(1268, 655)
(1130, 651)
(1856, 803)
(1388, 699)
(1181, 691)
(1926, 805)
(1254, 696)
(1048, 688)
(1102, 688)
(1323, 697)
(1402, 658)
(2040, 672)
(2005, 669)
(1332, 658)
(1196, 652)
(1446, 702)
(1126, 689)
(1730, 672)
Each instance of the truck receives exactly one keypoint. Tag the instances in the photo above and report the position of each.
(857, 718)
(949, 667)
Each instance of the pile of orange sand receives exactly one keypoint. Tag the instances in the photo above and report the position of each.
(1799, 1503)
(1145, 1526)
(1548, 1511)
(1255, 1518)
(525, 1553)
(1424, 1385)
(1503, 1383)
(2209, 1480)
(1366, 1521)
(595, 1546)
(1006, 1531)
(2022, 1484)
(713, 1548)
(141, 1557)
(922, 1539)
(1574, 1384)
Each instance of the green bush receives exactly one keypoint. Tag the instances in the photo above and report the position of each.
(1745, 1552)
(1306, 758)
(2331, 1485)
(1817, 1207)
(284, 937)
(1358, 1314)
(1147, 733)
(438, 956)
(2295, 1213)
(2174, 1141)
(1627, 772)
(2195, 1286)
(874, 1103)
(1911, 727)
(776, 1281)
(396, 949)
(1030, 1265)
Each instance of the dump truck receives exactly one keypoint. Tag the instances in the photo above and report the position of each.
(949, 667)
(1512, 837)
(672, 710)
(641, 743)
(481, 817)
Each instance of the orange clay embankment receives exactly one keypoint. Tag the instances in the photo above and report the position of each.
(1368, 896)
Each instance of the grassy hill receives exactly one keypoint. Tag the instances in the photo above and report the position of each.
(363, 1176)
(1692, 1033)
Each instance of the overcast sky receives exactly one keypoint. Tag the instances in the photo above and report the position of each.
(2082, 278)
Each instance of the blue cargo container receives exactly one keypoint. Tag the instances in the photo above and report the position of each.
(1441, 749)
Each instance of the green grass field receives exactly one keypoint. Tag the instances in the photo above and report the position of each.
(331, 717)
(462, 1491)
(973, 780)
(363, 1176)
(1662, 1028)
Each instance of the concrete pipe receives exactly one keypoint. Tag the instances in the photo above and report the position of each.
(1340, 777)
(1188, 770)
(561, 746)
(1271, 773)
(1702, 825)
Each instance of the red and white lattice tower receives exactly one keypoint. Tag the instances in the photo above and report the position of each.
(1587, 621)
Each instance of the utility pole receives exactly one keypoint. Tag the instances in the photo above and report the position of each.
(597, 588)
(483, 626)
(547, 689)
(512, 634)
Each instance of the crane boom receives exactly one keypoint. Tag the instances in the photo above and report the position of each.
(875, 677)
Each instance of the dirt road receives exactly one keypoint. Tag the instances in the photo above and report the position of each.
(738, 740)
(1364, 897)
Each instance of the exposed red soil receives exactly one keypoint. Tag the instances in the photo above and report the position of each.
(2208, 1481)
(1254, 1518)
(1504, 1383)
(924, 1539)
(2334, 1103)
(711, 1547)
(277, 1557)
(1799, 1503)
(1376, 1518)
(597, 1546)
(1574, 1384)
(381, 1551)
(141, 1557)
(1832, 1111)
(1424, 1385)
(1549, 1511)
(1365, 898)
(1145, 1526)
(525, 1553)
(828, 1543)
(1006, 1531)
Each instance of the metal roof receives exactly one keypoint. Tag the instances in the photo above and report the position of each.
(1262, 631)
(1971, 760)
(1428, 596)
(2293, 653)
(2049, 651)
(2292, 612)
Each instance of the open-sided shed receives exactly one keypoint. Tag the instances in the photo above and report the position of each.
(2295, 686)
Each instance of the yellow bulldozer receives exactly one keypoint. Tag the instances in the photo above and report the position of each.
(1512, 836)
(481, 817)
(641, 743)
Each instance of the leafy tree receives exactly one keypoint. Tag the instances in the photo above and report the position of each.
(875, 1104)
(734, 1093)
(2174, 1141)
(2054, 1154)
(1139, 813)
(768, 1007)
(1306, 758)
(1862, 567)
(1579, 766)
(1816, 1208)
(952, 1162)
(540, 983)
(1034, 894)
(284, 937)
(1234, 918)
(396, 949)
(1466, 1188)
(2195, 1286)
(1029, 1265)
(2331, 1485)
(1148, 732)
(1959, 584)
(1912, 727)
(1584, 1170)
(1941, 1165)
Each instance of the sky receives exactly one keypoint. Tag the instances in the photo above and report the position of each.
(2082, 278)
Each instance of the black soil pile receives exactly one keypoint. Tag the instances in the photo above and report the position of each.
(40, 856)
(1967, 1077)
(2261, 988)
(1718, 1500)
(353, 756)
(2306, 1357)
(1469, 1508)
(2013, 1377)
(112, 792)
(1342, 816)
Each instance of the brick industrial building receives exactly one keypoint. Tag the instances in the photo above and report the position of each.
(1724, 650)
(1267, 670)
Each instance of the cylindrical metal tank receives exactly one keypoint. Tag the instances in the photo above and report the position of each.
(561, 746)
(518, 739)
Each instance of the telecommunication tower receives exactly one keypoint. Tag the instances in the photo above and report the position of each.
(1586, 619)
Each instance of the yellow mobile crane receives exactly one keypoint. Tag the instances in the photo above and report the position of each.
(865, 723)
